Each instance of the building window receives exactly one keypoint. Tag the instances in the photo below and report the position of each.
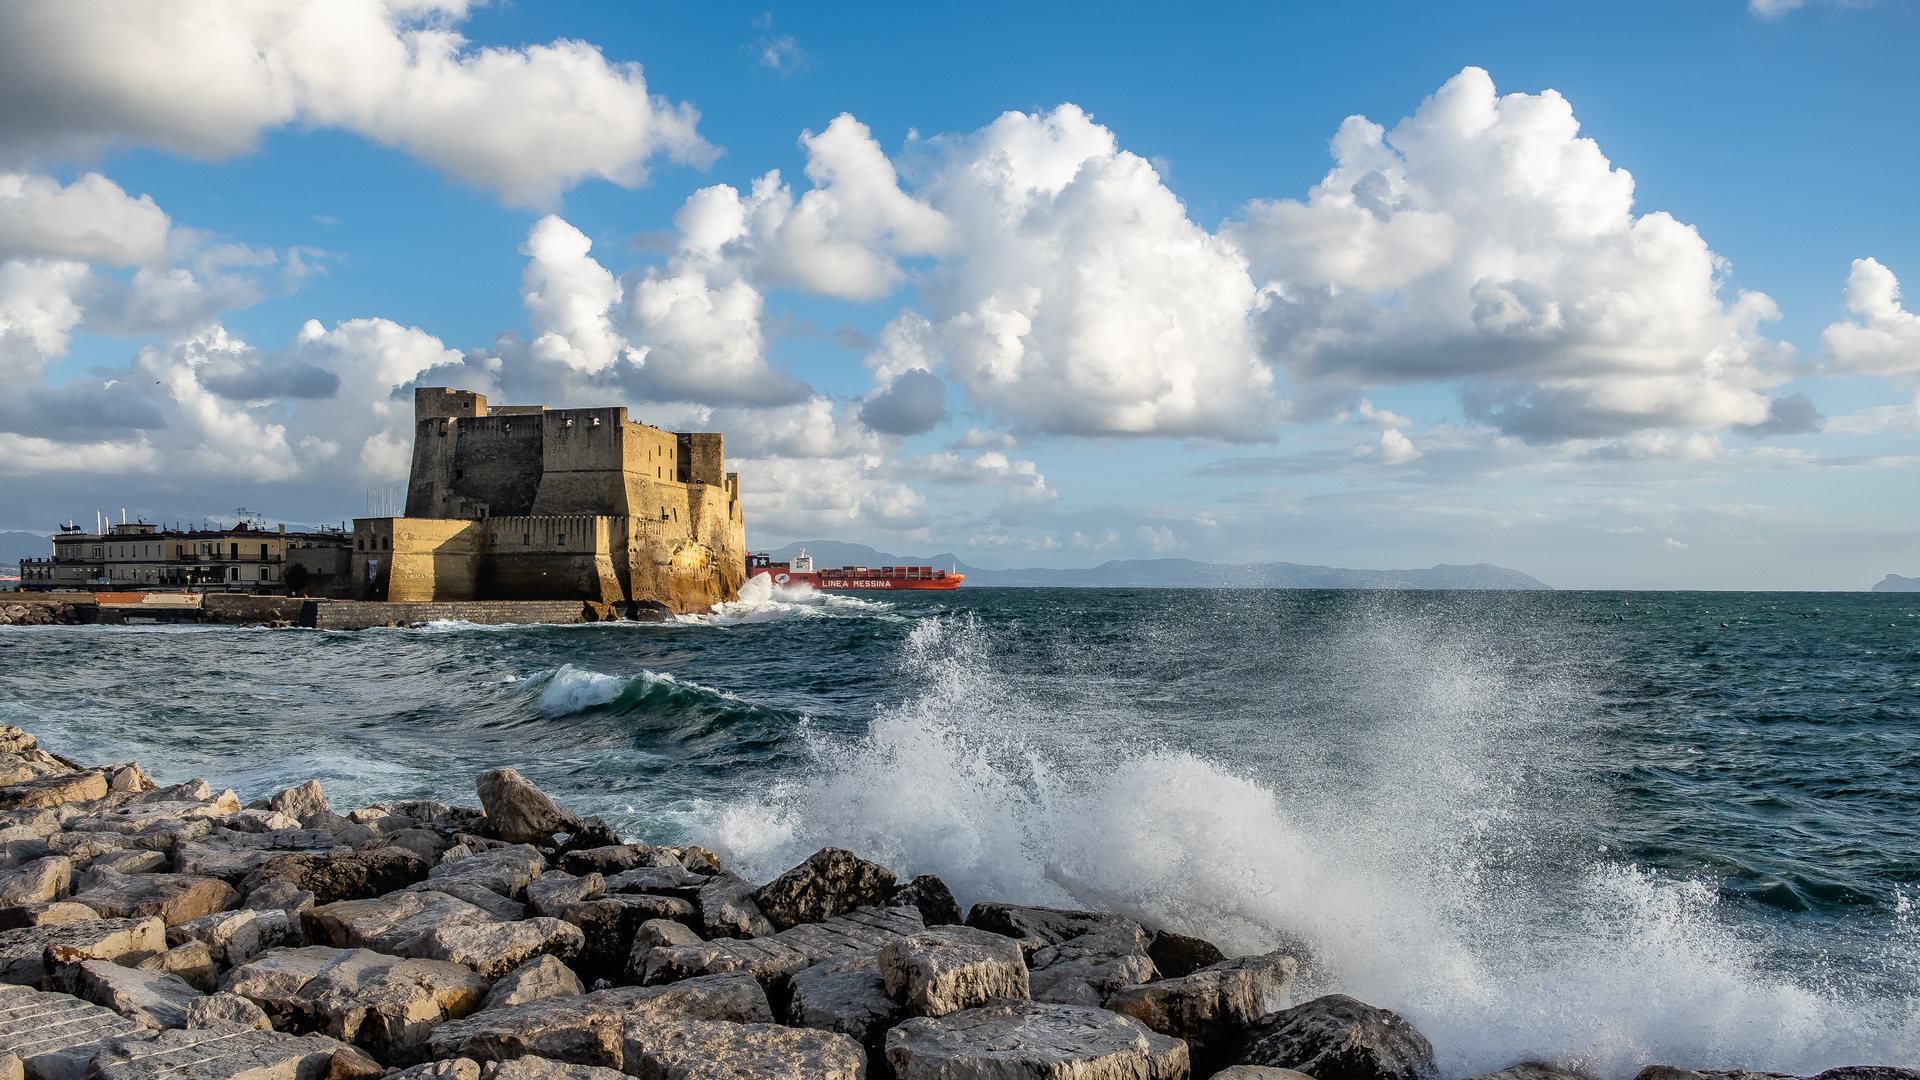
(360, 544)
(236, 550)
(458, 473)
(266, 573)
(561, 541)
(233, 574)
(263, 553)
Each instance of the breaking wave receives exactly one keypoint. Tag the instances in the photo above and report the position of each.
(1433, 878)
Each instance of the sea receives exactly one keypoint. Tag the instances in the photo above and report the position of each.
(1597, 829)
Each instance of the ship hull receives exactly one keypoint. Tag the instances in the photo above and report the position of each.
(785, 579)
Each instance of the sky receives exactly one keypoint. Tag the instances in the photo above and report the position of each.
(1609, 294)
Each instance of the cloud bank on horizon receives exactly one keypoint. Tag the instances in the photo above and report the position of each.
(1051, 285)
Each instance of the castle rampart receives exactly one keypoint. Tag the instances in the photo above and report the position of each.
(529, 503)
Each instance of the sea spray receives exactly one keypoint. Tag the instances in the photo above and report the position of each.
(1428, 879)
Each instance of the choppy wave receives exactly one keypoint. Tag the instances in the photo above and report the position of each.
(1421, 880)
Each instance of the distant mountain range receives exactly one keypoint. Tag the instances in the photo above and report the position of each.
(15, 546)
(1896, 583)
(1179, 573)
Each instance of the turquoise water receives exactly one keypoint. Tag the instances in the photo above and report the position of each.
(1604, 829)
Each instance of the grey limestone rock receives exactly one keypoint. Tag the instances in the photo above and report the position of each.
(589, 1029)
(56, 1035)
(301, 802)
(609, 926)
(54, 790)
(931, 897)
(342, 875)
(846, 994)
(234, 937)
(152, 999)
(54, 914)
(483, 898)
(283, 898)
(833, 881)
(664, 932)
(1035, 928)
(1088, 969)
(1017, 1039)
(224, 1052)
(137, 861)
(193, 962)
(1174, 955)
(453, 1069)
(1338, 1038)
(554, 890)
(227, 1009)
(771, 959)
(714, 1050)
(946, 969)
(533, 1068)
(611, 860)
(260, 821)
(386, 1005)
(1212, 1007)
(123, 941)
(672, 880)
(1259, 1072)
(519, 812)
(506, 871)
(38, 882)
(273, 980)
(727, 909)
(435, 926)
(175, 898)
(540, 977)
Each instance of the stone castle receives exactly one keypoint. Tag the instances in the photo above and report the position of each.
(523, 502)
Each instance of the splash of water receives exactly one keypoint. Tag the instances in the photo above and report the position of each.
(1424, 878)
(761, 601)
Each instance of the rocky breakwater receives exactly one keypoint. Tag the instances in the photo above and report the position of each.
(150, 932)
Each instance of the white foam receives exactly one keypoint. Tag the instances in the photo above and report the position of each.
(761, 601)
(1393, 876)
(573, 689)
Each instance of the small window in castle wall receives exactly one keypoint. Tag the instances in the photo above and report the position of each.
(561, 540)
(526, 539)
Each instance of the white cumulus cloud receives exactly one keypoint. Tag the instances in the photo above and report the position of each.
(1484, 242)
(1883, 337)
(210, 76)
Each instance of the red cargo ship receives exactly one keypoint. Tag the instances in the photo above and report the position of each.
(849, 578)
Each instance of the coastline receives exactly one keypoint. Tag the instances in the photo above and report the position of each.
(149, 925)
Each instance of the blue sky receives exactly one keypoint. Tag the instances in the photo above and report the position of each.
(1467, 349)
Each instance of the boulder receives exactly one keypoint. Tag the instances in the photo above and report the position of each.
(485, 899)
(727, 909)
(283, 898)
(227, 1009)
(951, 968)
(137, 861)
(609, 927)
(235, 937)
(38, 882)
(54, 914)
(773, 959)
(520, 813)
(552, 891)
(703, 1049)
(1212, 1008)
(429, 844)
(386, 1005)
(506, 871)
(533, 1068)
(846, 994)
(84, 847)
(833, 881)
(260, 821)
(301, 802)
(931, 897)
(673, 880)
(55, 1035)
(396, 923)
(342, 875)
(1035, 928)
(193, 962)
(152, 999)
(1010, 1039)
(590, 1029)
(123, 941)
(1174, 955)
(456, 1069)
(612, 859)
(1338, 1038)
(225, 1052)
(540, 977)
(664, 932)
(233, 856)
(175, 898)
(1088, 969)
(1259, 1072)
(273, 980)
(55, 790)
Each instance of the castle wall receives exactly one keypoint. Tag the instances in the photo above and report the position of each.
(415, 559)
(580, 463)
(571, 557)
